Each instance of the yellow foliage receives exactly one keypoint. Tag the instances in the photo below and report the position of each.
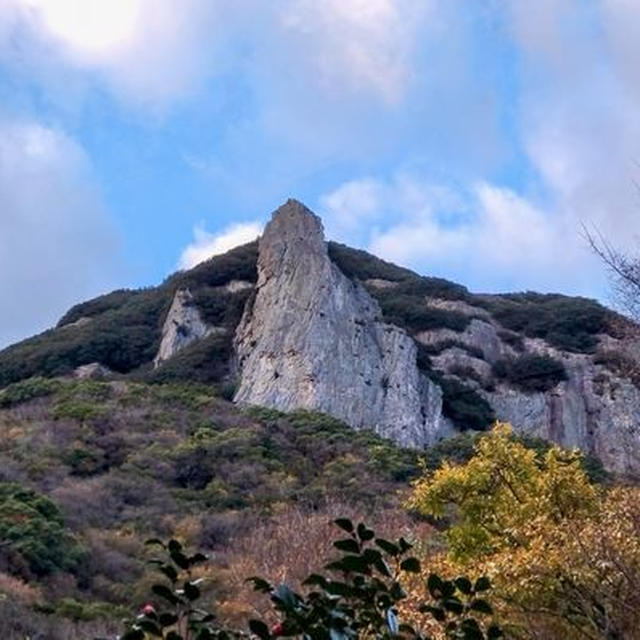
(564, 556)
(500, 491)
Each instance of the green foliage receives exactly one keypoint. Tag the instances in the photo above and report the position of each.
(221, 308)
(177, 614)
(531, 372)
(514, 340)
(461, 448)
(121, 339)
(358, 596)
(464, 406)
(237, 264)
(77, 410)
(364, 266)
(405, 302)
(355, 263)
(86, 611)
(26, 390)
(124, 328)
(437, 348)
(413, 313)
(423, 358)
(619, 364)
(455, 450)
(84, 462)
(32, 531)
(97, 306)
(567, 323)
(360, 593)
(206, 361)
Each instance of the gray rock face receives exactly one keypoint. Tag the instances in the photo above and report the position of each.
(182, 326)
(593, 410)
(314, 339)
(92, 371)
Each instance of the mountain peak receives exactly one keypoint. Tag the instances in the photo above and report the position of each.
(293, 219)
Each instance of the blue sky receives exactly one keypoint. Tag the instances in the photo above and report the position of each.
(469, 140)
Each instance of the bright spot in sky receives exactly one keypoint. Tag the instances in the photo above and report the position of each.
(94, 28)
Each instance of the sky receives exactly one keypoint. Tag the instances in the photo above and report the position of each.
(470, 140)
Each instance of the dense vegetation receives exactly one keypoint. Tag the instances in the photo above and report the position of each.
(89, 470)
(567, 323)
(530, 372)
(563, 554)
(122, 330)
(357, 596)
(461, 403)
(404, 303)
(413, 313)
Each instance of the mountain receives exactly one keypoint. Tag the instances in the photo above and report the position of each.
(293, 322)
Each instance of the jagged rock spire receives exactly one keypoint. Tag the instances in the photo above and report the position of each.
(313, 339)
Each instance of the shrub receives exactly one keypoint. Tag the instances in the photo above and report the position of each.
(77, 410)
(355, 263)
(97, 306)
(31, 528)
(125, 328)
(238, 264)
(464, 406)
(567, 323)
(221, 308)
(466, 372)
(531, 372)
(26, 390)
(461, 448)
(436, 348)
(205, 361)
(618, 363)
(514, 340)
(358, 597)
(413, 313)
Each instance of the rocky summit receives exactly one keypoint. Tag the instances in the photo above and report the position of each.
(296, 322)
(315, 339)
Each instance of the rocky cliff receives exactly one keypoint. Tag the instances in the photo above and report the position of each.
(296, 322)
(182, 326)
(314, 339)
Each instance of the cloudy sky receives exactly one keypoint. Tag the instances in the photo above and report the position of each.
(469, 140)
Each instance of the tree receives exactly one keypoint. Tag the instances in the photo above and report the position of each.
(563, 555)
(623, 271)
(495, 497)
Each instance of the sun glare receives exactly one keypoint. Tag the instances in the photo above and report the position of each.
(88, 27)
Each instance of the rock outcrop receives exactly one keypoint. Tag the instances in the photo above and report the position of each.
(592, 410)
(92, 371)
(182, 326)
(314, 339)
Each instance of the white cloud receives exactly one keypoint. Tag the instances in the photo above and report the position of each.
(355, 210)
(578, 109)
(489, 237)
(358, 44)
(152, 54)
(148, 53)
(56, 244)
(206, 245)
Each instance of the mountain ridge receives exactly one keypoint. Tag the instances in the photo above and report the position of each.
(556, 366)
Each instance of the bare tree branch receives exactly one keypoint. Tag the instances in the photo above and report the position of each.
(624, 272)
